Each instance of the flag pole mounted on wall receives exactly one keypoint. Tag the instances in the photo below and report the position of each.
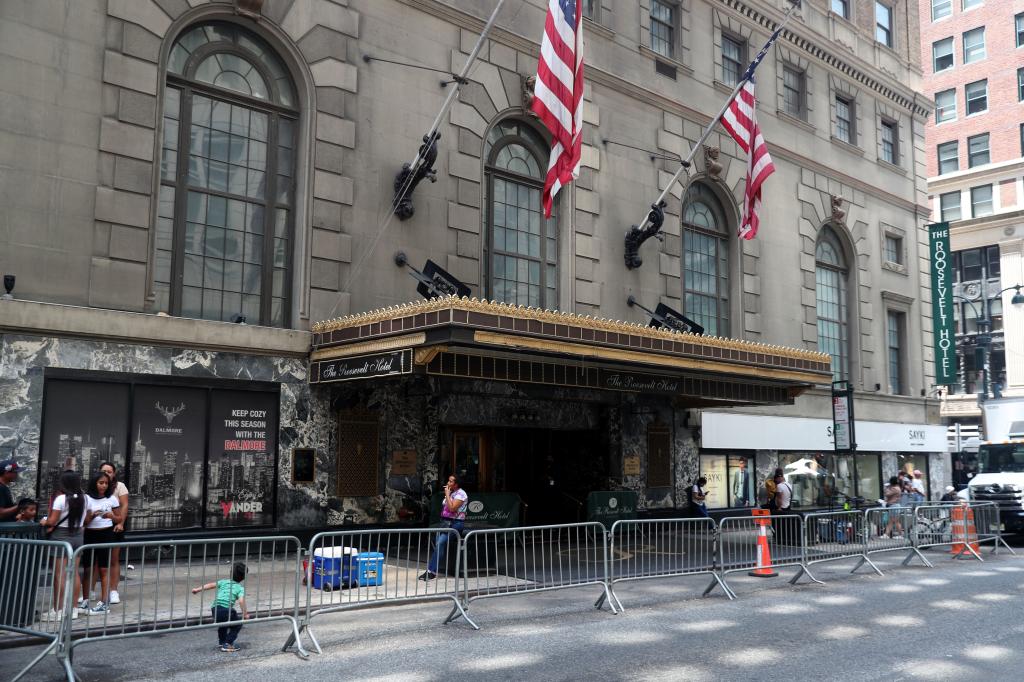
(747, 135)
(422, 166)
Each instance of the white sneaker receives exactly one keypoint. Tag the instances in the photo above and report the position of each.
(83, 603)
(74, 614)
(115, 598)
(53, 615)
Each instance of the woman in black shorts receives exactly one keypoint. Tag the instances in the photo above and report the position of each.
(99, 530)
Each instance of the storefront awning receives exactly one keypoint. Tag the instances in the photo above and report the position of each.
(473, 339)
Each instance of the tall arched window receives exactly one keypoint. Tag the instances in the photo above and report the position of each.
(830, 277)
(225, 221)
(522, 247)
(705, 260)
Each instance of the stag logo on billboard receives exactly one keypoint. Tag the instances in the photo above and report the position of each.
(170, 414)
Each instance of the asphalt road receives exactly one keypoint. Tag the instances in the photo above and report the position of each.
(958, 621)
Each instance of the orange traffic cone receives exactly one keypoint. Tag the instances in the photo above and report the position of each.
(764, 556)
(964, 533)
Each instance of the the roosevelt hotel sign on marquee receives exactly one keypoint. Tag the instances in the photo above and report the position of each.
(943, 322)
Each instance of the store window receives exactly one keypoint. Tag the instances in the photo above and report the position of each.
(193, 454)
(731, 480)
(869, 477)
(522, 245)
(224, 230)
(706, 260)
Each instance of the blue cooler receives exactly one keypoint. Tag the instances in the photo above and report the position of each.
(363, 569)
(329, 567)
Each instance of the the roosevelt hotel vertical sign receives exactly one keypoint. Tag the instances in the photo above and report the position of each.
(942, 304)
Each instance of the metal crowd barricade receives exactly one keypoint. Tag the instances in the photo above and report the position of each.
(661, 548)
(836, 535)
(510, 561)
(891, 529)
(362, 569)
(158, 596)
(989, 525)
(32, 594)
(933, 526)
(758, 544)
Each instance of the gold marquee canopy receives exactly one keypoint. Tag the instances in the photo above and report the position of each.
(475, 339)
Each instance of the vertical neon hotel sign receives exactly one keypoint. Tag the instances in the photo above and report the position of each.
(942, 304)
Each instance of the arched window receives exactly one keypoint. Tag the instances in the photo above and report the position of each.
(522, 247)
(830, 277)
(225, 221)
(705, 260)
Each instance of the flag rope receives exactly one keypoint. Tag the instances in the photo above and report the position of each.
(747, 75)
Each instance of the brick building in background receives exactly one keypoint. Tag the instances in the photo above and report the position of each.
(972, 52)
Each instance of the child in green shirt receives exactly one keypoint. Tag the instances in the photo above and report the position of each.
(228, 592)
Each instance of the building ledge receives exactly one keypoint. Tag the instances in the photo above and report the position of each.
(45, 319)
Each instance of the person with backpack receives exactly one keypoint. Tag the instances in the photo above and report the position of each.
(697, 497)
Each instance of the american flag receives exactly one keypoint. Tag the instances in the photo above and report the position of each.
(740, 120)
(558, 93)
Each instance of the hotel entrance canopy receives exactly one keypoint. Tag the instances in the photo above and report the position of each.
(474, 339)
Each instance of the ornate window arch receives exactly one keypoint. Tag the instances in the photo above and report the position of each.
(225, 223)
(831, 275)
(521, 252)
(706, 260)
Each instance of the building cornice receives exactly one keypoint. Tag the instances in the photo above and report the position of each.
(850, 66)
(115, 326)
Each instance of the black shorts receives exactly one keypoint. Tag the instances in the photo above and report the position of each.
(101, 555)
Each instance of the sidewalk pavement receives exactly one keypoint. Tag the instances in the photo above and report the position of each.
(959, 620)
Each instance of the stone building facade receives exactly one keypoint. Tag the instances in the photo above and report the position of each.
(174, 167)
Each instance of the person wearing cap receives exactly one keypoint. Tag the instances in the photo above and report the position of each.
(917, 483)
(8, 474)
(949, 495)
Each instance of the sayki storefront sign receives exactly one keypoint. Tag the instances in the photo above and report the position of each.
(361, 367)
(739, 431)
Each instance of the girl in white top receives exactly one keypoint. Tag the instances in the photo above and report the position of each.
(68, 516)
(100, 530)
(121, 493)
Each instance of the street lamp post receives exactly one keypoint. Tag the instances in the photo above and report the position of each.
(983, 340)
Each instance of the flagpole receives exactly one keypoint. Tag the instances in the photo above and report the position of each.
(685, 163)
(459, 80)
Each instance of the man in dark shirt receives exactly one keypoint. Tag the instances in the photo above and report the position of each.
(8, 475)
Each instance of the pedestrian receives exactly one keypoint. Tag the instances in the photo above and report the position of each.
(99, 531)
(698, 497)
(229, 592)
(28, 510)
(8, 474)
(769, 487)
(786, 532)
(453, 515)
(892, 495)
(917, 483)
(69, 513)
(949, 495)
(121, 493)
